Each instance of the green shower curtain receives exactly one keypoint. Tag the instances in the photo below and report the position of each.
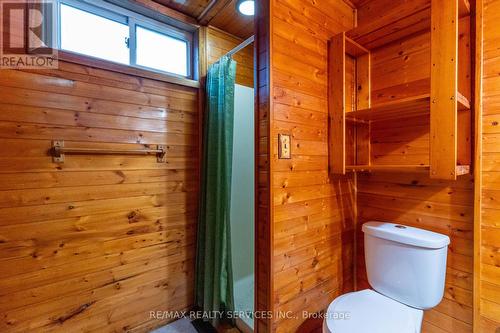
(214, 276)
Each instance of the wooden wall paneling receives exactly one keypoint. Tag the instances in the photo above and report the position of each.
(264, 276)
(351, 140)
(312, 217)
(219, 43)
(437, 205)
(401, 70)
(363, 145)
(444, 68)
(488, 316)
(83, 240)
(337, 103)
(477, 35)
(363, 82)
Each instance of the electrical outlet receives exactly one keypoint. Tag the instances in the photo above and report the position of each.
(284, 146)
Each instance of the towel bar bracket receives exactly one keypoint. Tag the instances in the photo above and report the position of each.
(57, 156)
(58, 151)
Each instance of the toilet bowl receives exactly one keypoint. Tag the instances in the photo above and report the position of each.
(369, 311)
(406, 267)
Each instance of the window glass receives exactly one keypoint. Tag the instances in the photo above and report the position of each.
(161, 52)
(94, 35)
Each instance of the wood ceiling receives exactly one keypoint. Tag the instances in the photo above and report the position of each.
(218, 13)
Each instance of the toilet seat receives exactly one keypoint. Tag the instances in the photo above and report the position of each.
(368, 311)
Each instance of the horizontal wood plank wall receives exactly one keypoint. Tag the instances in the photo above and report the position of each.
(312, 213)
(96, 243)
(441, 206)
(489, 321)
(219, 43)
(399, 70)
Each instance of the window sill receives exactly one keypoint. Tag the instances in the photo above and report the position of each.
(124, 69)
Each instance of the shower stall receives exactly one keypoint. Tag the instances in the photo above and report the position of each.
(242, 206)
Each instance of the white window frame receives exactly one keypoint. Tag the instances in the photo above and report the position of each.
(132, 19)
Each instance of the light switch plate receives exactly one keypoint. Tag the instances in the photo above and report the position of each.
(284, 146)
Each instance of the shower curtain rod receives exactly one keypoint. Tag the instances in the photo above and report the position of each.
(238, 48)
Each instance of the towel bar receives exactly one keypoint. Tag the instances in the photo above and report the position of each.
(58, 151)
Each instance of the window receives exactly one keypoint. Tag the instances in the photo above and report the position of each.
(109, 32)
(101, 37)
(162, 52)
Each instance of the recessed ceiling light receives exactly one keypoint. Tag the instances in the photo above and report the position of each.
(246, 7)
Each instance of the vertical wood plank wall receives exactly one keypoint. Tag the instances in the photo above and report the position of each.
(95, 243)
(219, 43)
(263, 227)
(312, 222)
(489, 321)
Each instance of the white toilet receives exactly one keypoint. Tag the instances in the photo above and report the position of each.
(406, 268)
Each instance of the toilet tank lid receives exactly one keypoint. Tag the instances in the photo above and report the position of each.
(406, 235)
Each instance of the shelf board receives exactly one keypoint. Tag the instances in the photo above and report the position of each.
(460, 169)
(387, 167)
(403, 108)
(354, 49)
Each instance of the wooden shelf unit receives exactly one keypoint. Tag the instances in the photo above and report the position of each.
(444, 106)
(382, 32)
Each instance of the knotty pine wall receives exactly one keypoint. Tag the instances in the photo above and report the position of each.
(311, 214)
(219, 43)
(399, 70)
(489, 321)
(97, 242)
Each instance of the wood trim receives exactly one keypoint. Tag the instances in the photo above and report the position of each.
(216, 6)
(444, 85)
(272, 134)
(350, 4)
(124, 69)
(207, 10)
(263, 176)
(202, 77)
(168, 12)
(477, 26)
(336, 102)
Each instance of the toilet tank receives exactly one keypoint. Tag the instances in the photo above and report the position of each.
(406, 264)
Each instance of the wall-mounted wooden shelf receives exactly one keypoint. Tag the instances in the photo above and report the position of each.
(402, 168)
(460, 169)
(403, 108)
(444, 107)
